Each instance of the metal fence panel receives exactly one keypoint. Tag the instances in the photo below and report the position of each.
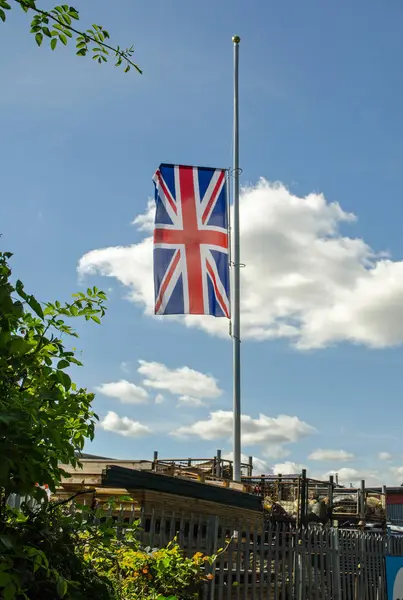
(274, 561)
(395, 513)
(279, 561)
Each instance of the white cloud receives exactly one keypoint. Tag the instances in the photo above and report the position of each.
(190, 401)
(145, 221)
(159, 399)
(263, 431)
(331, 455)
(384, 456)
(304, 280)
(397, 474)
(260, 467)
(182, 381)
(125, 391)
(392, 475)
(131, 265)
(287, 468)
(347, 475)
(276, 452)
(123, 425)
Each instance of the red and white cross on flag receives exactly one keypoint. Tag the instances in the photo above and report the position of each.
(191, 241)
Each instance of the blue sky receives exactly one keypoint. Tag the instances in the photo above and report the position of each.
(321, 113)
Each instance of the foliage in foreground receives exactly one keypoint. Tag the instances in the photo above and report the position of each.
(59, 25)
(53, 552)
(155, 574)
(44, 418)
(48, 550)
(42, 557)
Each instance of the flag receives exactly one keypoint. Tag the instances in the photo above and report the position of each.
(191, 249)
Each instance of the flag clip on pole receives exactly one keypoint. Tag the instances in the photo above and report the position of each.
(236, 334)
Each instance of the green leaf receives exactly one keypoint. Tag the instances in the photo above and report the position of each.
(62, 364)
(5, 579)
(32, 301)
(63, 39)
(9, 592)
(6, 541)
(53, 43)
(2, 15)
(97, 320)
(61, 587)
(39, 38)
(64, 380)
(127, 69)
(7, 418)
(4, 4)
(19, 288)
(76, 362)
(66, 18)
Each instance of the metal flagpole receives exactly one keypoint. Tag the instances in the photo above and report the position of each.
(236, 333)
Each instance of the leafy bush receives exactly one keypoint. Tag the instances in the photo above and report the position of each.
(44, 418)
(43, 555)
(51, 551)
(55, 552)
(156, 574)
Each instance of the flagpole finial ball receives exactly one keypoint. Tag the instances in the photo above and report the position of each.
(236, 39)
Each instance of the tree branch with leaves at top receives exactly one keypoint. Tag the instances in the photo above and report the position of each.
(56, 25)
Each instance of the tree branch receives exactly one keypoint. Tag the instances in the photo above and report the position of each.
(88, 37)
(57, 504)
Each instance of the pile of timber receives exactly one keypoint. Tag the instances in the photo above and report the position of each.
(91, 473)
(184, 492)
(180, 495)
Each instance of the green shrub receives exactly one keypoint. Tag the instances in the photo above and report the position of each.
(156, 574)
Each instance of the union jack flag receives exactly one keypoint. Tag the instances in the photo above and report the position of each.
(191, 274)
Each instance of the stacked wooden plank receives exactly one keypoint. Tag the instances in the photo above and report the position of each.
(134, 486)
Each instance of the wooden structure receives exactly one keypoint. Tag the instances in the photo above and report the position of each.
(188, 486)
(204, 486)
